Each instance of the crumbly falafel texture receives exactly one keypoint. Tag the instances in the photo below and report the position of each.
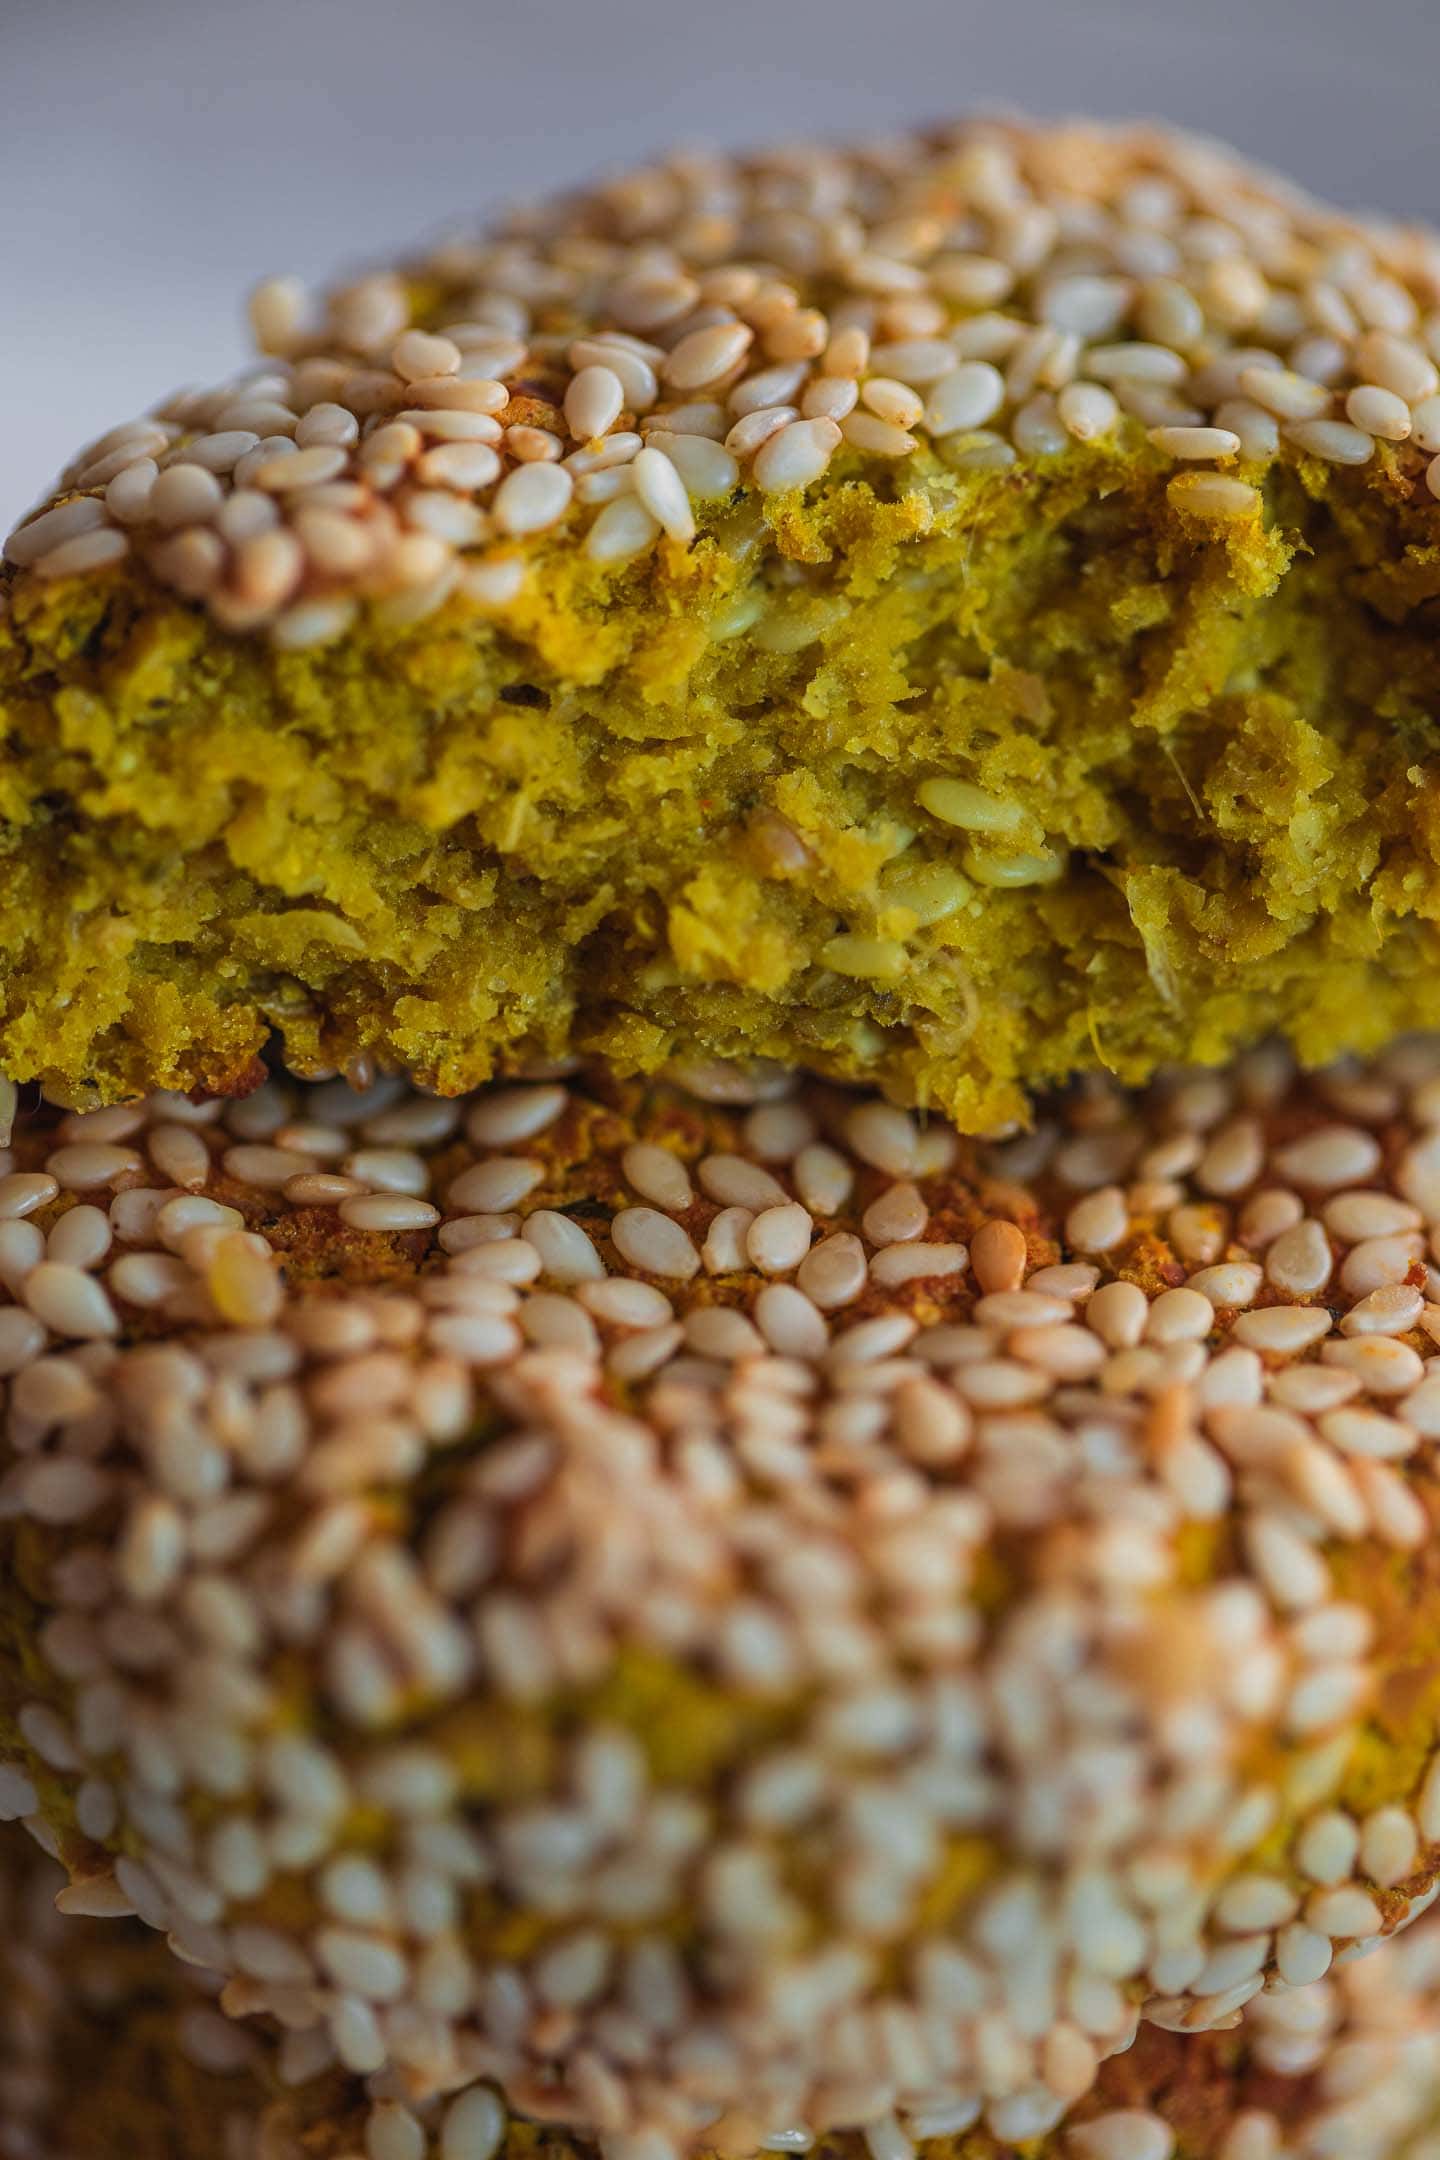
(679, 808)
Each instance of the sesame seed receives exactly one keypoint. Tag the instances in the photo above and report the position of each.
(532, 498)
(623, 528)
(1195, 442)
(68, 1301)
(654, 1244)
(1214, 495)
(1343, 1914)
(474, 2126)
(1087, 411)
(387, 1211)
(1336, 441)
(779, 1238)
(566, 1253)
(1376, 411)
(1123, 2134)
(85, 1165)
(795, 456)
(707, 356)
(52, 529)
(723, 1252)
(737, 1182)
(902, 333)
(833, 1272)
(662, 491)
(1392, 1310)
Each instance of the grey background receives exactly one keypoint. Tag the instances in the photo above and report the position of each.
(156, 158)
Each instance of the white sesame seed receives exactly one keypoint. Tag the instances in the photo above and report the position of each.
(1392, 1310)
(1389, 1846)
(623, 528)
(833, 1273)
(707, 468)
(1343, 1913)
(1398, 364)
(86, 1164)
(1195, 442)
(1285, 394)
(1099, 1222)
(653, 1243)
(796, 455)
(474, 2126)
(532, 498)
(790, 1322)
(1302, 1955)
(387, 1211)
(69, 1301)
(1328, 1847)
(707, 356)
(1213, 495)
(1334, 440)
(1087, 411)
(723, 1252)
(1376, 411)
(566, 1253)
(52, 529)
(662, 491)
(779, 1238)
(736, 1182)
(1123, 2134)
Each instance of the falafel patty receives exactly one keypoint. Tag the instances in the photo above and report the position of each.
(727, 1610)
(947, 614)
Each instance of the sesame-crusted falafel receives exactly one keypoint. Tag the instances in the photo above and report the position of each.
(109, 2044)
(719, 1613)
(948, 614)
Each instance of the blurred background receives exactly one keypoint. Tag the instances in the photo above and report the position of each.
(157, 157)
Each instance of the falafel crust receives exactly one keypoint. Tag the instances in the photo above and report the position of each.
(110, 2045)
(732, 1609)
(949, 613)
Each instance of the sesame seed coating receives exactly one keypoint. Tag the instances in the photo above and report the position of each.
(107, 2036)
(699, 1676)
(973, 275)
